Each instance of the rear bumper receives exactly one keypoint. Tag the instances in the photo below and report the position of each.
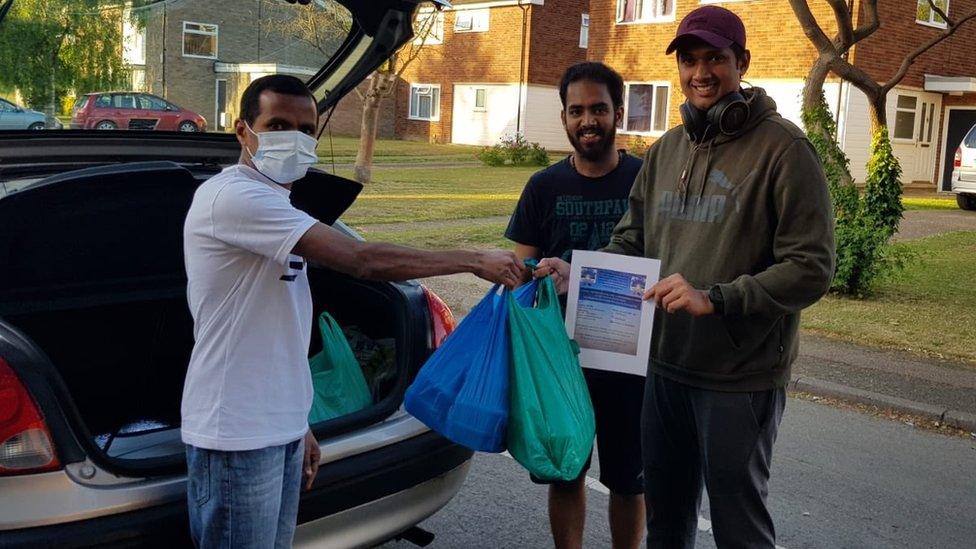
(964, 181)
(349, 495)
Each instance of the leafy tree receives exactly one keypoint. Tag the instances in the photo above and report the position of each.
(49, 48)
(863, 224)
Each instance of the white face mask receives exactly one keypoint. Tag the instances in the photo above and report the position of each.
(284, 156)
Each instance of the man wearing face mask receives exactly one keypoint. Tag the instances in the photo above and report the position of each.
(248, 388)
(734, 203)
(574, 204)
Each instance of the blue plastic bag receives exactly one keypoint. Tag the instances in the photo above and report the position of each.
(462, 391)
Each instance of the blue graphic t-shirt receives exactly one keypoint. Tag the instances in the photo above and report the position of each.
(561, 210)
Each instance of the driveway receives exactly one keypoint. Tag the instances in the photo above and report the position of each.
(922, 223)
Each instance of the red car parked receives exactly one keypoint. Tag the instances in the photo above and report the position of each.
(132, 111)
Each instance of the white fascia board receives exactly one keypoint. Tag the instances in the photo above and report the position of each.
(497, 4)
(273, 68)
(949, 84)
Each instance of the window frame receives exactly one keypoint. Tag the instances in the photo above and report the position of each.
(931, 22)
(639, 20)
(472, 12)
(623, 130)
(435, 105)
(434, 38)
(584, 38)
(215, 34)
(914, 111)
(484, 107)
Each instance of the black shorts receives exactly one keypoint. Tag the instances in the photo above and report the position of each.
(617, 400)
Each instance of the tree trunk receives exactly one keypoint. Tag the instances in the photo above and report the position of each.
(363, 171)
(813, 88)
(379, 87)
(879, 116)
(51, 109)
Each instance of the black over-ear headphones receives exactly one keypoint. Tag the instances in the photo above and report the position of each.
(727, 116)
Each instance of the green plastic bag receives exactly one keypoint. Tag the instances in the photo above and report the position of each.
(551, 423)
(337, 380)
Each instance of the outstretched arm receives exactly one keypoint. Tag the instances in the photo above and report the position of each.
(383, 261)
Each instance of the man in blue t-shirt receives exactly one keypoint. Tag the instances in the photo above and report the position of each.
(575, 204)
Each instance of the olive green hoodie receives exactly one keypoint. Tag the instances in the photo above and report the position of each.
(753, 216)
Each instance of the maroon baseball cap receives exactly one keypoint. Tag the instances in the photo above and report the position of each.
(717, 27)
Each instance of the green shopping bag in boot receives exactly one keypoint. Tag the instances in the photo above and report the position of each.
(551, 423)
(337, 380)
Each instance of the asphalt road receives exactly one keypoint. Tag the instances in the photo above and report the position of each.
(840, 479)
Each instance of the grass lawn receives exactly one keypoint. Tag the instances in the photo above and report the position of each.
(476, 234)
(929, 203)
(928, 308)
(390, 151)
(399, 195)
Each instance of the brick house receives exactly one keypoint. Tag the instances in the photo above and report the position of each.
(934, 105)
(491, 68)
(201, 54)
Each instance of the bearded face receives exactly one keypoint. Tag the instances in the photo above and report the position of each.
(590, 119)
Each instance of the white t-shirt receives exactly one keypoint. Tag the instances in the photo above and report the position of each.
(248, 385)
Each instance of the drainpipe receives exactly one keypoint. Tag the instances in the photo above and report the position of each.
(518, 116)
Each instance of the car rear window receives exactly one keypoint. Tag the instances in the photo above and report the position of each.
(80, 103)
(970, 140)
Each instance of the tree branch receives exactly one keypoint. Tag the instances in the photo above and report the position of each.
(911, 57)
(845, 27)
(811, 28)
(856, 76)
(871, 22)
(941, 13)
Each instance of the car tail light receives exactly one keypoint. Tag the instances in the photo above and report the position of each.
(957, 159)
(442, 319)
(25, 442)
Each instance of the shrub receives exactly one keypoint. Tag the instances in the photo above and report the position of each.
(516, 147)
(538, 155)
(492, 156)
(514, 150)
(863, 225)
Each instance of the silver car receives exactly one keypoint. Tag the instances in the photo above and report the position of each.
(964, 171)
(95, 334)
(13, 117)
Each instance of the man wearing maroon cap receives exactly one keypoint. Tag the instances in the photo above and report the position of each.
(734, 203)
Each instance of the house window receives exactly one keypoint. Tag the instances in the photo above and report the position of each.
(425, 102)
(905, 116)
(925, 15)
(646, 108)
(199, 40)
(471, 20)
(585, 31)
(644, 11)
(480, 99)
(428, 28)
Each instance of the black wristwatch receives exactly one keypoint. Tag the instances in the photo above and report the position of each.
(718, 301)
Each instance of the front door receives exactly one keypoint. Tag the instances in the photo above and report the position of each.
(916, 115)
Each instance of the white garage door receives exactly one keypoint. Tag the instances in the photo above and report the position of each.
(483, 113)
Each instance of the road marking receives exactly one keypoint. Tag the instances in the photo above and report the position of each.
(704, 525)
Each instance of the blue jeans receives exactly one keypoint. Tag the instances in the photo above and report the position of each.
(244, 499)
